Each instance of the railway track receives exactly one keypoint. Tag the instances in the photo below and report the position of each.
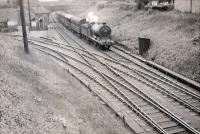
(115, 82)
(192, 97)
(181, 91)
(134, 101)
(112, 80)
(122, 95)
(187, 97)
(114, 73)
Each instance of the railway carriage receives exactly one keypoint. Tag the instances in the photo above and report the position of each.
(85, 30)
(76, 23)
(67, 21)
(60, 17)
(64, 19)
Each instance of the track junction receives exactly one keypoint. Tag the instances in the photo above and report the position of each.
(147, 100)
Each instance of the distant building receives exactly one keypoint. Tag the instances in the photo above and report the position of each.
(3, 24)
(8, 3)
(10, 14)
(3, 2)
(42, 18)
(9, 19)
(192, 6)
(187, 5)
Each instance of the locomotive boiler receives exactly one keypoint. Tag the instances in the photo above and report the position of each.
(101, 29)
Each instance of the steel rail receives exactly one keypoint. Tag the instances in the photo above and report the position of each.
(168, 82)
(121, 92)
(127, 101)
(157, 87)
(69, 43)
(104, 87)
(162, 77)
(161, 89)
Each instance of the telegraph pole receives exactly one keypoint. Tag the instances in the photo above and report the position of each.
(29, 14)
(23, 26)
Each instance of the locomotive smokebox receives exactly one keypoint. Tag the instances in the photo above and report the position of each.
(101, 29)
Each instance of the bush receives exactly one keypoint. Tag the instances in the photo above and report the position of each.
(100, 6)
(141, 3)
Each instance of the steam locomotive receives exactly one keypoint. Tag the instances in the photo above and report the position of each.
(98, 34)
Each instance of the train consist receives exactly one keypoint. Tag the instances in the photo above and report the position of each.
(98, 34)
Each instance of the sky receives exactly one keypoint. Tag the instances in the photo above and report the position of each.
(47, 0)
(39, 0)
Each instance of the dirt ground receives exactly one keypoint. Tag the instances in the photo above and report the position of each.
(175, 36)
(38, 97)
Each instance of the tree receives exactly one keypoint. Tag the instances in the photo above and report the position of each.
(141, 3)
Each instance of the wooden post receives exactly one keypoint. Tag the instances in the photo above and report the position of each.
(144, 45)
(191, 6)
(23, 26)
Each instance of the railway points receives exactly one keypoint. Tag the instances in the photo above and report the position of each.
(146, 97)
(110, 75)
